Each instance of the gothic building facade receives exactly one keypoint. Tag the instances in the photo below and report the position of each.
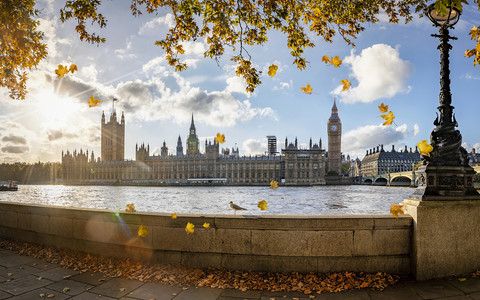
(293, 166)
(334, 129)
(377, 161)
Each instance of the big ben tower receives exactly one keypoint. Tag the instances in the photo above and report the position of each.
(334, 128)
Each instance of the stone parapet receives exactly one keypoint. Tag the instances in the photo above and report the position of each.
(369, 243)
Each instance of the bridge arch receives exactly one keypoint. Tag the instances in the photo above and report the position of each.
(380, 181)
(368, 181)
(401, 181)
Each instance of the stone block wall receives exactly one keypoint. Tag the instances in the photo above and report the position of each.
(369, 243)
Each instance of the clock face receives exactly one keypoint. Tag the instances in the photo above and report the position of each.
(333, 128)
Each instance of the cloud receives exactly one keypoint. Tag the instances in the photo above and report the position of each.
(53, 135)
(380, 73)
(356, 141)
(14, 139)
(14, 149)
(253, 147)
(416, 129)
(167, 20)
(122, 53)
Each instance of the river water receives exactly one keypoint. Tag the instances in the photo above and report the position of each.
(317, 200)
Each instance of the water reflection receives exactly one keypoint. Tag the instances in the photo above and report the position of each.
(358, 199)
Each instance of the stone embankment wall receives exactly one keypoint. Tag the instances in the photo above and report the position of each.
(369, 243)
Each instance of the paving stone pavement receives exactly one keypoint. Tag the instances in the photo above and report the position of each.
(25, 278)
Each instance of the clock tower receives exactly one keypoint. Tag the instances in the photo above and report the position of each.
(334, 128)
(192, 140)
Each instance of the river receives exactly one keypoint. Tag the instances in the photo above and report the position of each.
(317, 200)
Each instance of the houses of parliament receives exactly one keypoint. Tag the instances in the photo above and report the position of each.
(292, 166)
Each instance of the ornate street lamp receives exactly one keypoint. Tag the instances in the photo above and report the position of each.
(445, 175)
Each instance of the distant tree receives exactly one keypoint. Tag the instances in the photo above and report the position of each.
(236, 24)
(37, 173)
(345, 168)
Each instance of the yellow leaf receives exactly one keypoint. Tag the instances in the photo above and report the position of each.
(272, 70)
(346, 84)
(388, 118)
(189, 228)
(61, 71)
(92, 171)
(336, 61)
(143, 231)
(396, 209)
(274, 185)
(425, 148)
(383, 108)
(73, 68)
(130, 208)
(307, 90)
(206, 225)
(174, 216)
(262, 205)
(462, 279)
(220, 138)
(326, 59)
(92, 102)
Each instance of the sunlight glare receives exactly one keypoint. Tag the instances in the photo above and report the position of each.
(51, 106)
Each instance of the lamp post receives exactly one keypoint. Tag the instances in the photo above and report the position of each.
(445, 174)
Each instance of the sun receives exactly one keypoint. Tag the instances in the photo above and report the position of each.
(51, 106)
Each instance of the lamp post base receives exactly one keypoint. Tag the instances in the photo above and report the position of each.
(445, 183)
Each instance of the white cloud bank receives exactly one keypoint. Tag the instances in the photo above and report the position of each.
(380, 73)
(355, 142)
(253, 147)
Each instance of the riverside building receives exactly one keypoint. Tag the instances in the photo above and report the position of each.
(378, 161)
(293, 166)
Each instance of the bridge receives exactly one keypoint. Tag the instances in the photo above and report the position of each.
(407, 178)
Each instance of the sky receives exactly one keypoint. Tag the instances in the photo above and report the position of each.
(395, 64)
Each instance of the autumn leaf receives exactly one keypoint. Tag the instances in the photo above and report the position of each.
(130, 208)
(220, 138)
(92, 171)
(383, 108)
(61, 71)
(326, 59)
(274, 185)
(307, 90)
(174, 216)
(336, 61)
(425, 148)
(73, 68)
(206, 225)
(262, 205)
(396, 209)
(388, 118)
(272, 70)
(474, 33)
(189, 228)
(92, 102)
(143, 231)
(346, 84)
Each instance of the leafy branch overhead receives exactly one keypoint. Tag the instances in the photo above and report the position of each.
(236, 25)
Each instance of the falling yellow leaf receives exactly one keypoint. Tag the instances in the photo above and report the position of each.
(130, 208)
(388, 118)
(220, 138)
(336, 61)
(396, 209)
(274, 185)
(174, 216)
(61, 71)
(383, 108)
(92, 102)
(206, 225)
(143, 231)
(272, 70)
(92, 171)
(307, 90)
(73, 68)
(462, 279)
(326, 59)
(189, 228)
(346, 85)
(262, 205)
(425, 148)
